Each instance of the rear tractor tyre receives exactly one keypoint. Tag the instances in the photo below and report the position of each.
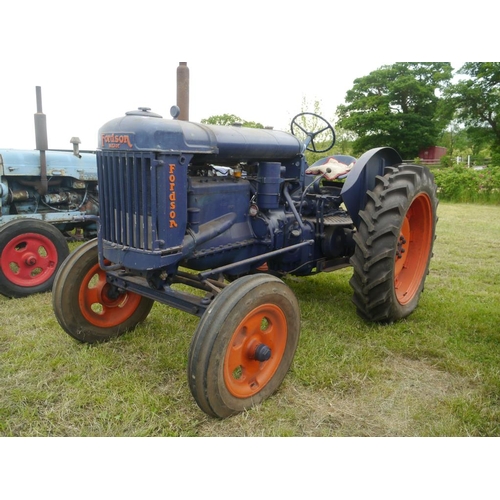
(394, 243)
(244, 345)
(86, 306)
(31, 252)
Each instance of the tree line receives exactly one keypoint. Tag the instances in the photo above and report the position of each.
(412, 106)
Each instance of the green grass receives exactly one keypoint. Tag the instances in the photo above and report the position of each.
(434, 374)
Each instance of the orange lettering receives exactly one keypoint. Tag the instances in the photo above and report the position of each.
(113, 141)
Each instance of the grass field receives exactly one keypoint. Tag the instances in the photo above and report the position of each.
(434, 374)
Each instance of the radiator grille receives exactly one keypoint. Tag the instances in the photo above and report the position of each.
(128, 199)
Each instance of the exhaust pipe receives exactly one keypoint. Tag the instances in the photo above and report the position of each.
(42, 143)
(183, 91)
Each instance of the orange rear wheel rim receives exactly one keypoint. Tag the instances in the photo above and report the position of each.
(244, 375)
(414, 246)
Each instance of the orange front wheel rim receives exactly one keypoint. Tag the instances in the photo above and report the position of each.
(102, 304)
(255, 351)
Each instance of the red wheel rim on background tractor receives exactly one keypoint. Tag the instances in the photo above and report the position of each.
(29, 260)
(414, 245)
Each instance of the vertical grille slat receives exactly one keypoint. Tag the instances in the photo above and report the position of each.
(137, 205)
(144, 211)
(121, 215)
(129, 200)
(116, 196)
(106, 194)
(154, 202)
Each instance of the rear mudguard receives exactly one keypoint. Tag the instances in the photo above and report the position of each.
(362, 178)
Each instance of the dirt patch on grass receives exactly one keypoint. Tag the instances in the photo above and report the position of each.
(395, 406)
(399, 405)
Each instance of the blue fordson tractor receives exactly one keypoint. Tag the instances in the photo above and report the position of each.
(43, 193)
(169, 218)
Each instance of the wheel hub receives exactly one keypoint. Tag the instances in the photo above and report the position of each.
(29, 259)
(112, 292)
(262, 353)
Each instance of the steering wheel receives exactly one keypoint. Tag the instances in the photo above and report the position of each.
(310, 136)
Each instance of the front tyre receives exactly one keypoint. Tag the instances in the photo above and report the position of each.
(244, 345)
(86, 306)
(394, 243)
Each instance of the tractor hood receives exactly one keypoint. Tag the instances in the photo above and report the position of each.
(142, 130)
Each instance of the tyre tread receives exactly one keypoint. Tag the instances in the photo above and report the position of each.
(375, 241)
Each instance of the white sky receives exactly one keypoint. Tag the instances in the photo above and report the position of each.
(95, 60)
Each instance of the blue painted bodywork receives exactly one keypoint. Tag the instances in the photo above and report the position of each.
(361, 178)
(164, 204)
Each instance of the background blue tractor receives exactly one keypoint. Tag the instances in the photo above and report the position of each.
(43, 194)
(173, 230)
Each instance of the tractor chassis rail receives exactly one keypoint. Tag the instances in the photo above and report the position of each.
(268, 255)
(185, 301)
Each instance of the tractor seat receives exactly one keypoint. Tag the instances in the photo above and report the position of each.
(340, 166)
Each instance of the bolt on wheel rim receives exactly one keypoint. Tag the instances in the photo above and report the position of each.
(263, 329)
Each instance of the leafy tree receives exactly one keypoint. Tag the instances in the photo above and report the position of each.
(397, 106)
(228, 119)
(252, 124)
(345, 139)
(476, 101)
(455, 139)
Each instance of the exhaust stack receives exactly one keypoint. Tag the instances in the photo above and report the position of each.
(183, 91)
(42, 143)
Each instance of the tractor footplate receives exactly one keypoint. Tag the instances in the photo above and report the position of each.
(333, 220)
